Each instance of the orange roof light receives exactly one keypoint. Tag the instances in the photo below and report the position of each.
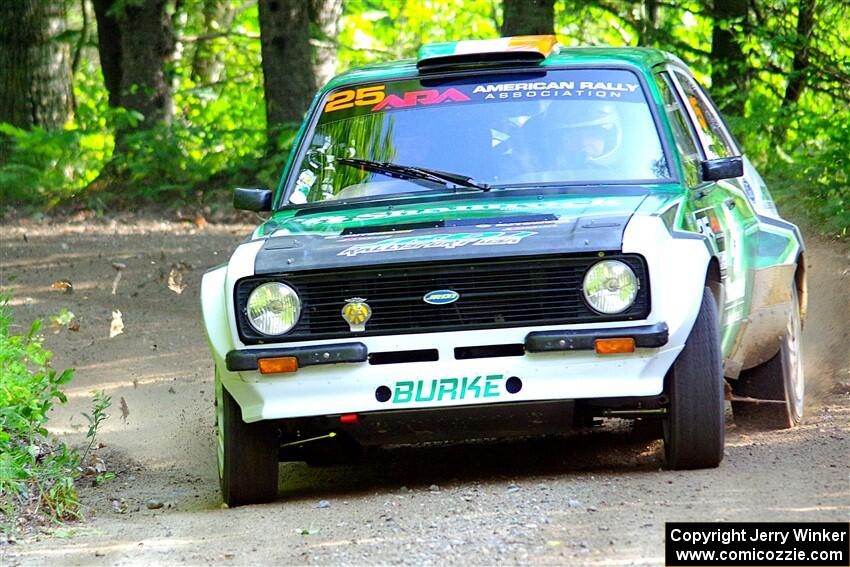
(524, 49)
(615, 346)
(542, 43)
(278, 365)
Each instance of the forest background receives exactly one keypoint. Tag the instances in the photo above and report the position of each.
(120, 104)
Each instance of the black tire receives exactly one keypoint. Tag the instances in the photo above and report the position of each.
(694, 428)
(780, 379)
(247, 454)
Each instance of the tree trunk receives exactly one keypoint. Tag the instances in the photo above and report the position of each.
(324, 15)
(147, 45)
(799, 68)
(207, 64)
(648, 23)
(109, 49)
(528, 17)
(35, 70)
(135, 43)
(288, 79)
(805, 25)
(729, 68)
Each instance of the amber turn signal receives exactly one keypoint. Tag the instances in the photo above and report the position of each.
(278, 365)
(615, 346)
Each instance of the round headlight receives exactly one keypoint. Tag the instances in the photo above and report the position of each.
(273, 308)
(610, 286)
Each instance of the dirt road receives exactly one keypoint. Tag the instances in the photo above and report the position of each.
(594, 498)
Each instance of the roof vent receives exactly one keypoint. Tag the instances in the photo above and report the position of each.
(505, 51)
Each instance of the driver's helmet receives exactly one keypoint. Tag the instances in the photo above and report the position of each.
(597, 133)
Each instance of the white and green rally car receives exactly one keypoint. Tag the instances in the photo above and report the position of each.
(501, 238)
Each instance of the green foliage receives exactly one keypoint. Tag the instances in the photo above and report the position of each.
(45, 167)
(377, 30)
(36, 477)
(100, 403)
(169, 163)
(218, 136)
(29, 468)
(62, 318)
(802, 148)
(813, 180)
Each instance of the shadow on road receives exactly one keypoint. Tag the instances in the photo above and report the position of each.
(611, 449)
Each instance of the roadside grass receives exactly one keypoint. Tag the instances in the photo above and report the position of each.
(38, 476)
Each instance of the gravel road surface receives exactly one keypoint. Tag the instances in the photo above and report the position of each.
(596, 497)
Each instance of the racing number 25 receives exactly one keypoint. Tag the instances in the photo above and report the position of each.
(361, 97)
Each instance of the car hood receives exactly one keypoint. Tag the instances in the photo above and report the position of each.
(482, 225)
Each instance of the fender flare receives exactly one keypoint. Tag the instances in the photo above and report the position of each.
(802, 284)
(679, 264)
(214, 312)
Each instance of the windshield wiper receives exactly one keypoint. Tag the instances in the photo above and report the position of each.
(413, 172)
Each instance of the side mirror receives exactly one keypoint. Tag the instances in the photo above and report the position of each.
(252, 199)
(722, 168)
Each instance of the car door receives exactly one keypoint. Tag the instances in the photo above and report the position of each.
(721, 210)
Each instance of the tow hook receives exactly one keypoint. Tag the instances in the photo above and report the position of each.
(634, 412)
(303, 441)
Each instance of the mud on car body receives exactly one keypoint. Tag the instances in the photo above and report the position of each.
(504, 238)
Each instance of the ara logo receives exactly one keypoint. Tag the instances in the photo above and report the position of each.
(415, 98)
(441, 297)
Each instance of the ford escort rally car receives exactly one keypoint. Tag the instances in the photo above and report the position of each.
(504, 237)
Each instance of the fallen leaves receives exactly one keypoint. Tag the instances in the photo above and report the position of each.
(64, 286)
(125, 410)
(119, 506)
(198, 219)
(175, 281)
(175, 277)
(95, 466)
(116, 327)
(63, 320)
(118, 267)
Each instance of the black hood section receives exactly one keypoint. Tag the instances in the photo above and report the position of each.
(407, 226)
(493, 239)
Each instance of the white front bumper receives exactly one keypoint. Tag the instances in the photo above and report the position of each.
(351, 387)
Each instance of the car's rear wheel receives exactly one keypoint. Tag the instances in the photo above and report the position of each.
(247, 454)
(694, 429)
(779, 380)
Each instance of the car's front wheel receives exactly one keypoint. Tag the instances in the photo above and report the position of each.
(780, 381)
(694, 428)
(247, 453)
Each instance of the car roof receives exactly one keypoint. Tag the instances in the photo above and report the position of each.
(642, 58)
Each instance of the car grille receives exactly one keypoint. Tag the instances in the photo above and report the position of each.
(504, 293)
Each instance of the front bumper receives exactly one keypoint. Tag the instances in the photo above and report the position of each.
(645, 336)
(564, 368)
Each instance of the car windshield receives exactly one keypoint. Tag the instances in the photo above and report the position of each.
(572, 126)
